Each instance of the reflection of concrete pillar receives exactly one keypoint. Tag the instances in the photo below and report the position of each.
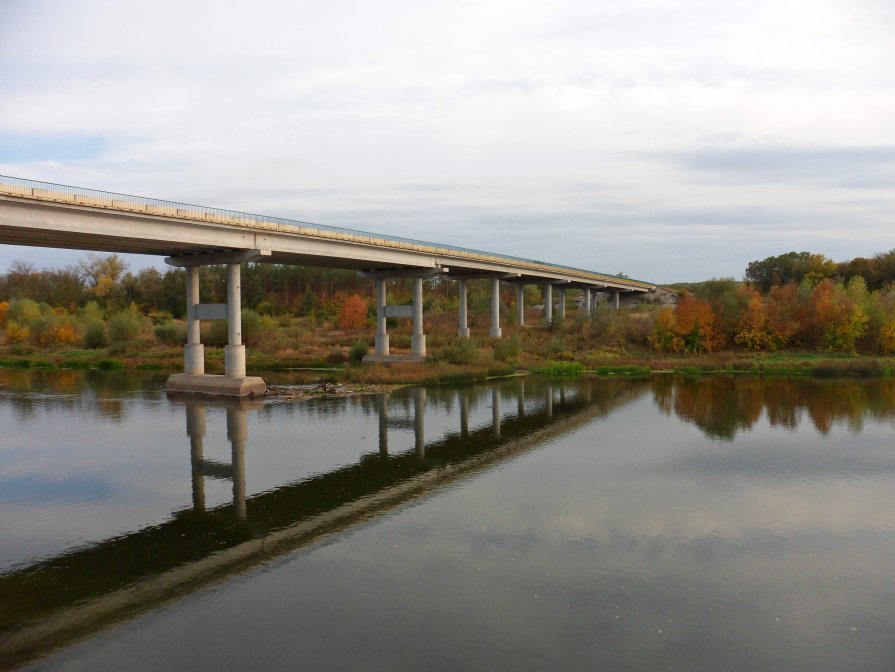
(235, 352)
(520, 408)
(383, 423)
(520, 305)
(238, 432)
(195, 429)
(464, 414)
(463, 329)
(549, 404)
(562, 304)
(193, 351)
(495, 411)
(562, 394)
(418, 338)
(419, 415)
(548, 304)
(495, 308)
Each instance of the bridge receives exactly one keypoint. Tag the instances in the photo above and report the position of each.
(190, 236)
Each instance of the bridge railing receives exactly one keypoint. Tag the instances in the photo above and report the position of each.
(47, 191)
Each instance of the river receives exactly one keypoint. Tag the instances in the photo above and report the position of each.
(665, 523)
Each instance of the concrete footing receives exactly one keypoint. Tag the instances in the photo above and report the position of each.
(223, 386)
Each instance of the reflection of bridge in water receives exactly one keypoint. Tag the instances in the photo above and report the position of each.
(73, 595)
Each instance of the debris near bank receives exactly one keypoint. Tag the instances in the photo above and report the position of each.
(303, 392)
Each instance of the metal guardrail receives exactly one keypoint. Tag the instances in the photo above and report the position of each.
(47, 191)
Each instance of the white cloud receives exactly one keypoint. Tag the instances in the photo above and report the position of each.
(335, 113)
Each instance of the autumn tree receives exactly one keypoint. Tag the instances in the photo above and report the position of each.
(353, 313)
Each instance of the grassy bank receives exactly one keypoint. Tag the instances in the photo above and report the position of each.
(440, 371)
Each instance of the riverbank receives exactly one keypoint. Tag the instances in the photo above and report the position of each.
(439, 371)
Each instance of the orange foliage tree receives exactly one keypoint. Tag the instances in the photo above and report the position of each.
(4, 307)
(753, 330)
(353, 313)
(838, 320)
(696, 324)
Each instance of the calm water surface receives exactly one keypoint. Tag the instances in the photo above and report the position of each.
(663, 524)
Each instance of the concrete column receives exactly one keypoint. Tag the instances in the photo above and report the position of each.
(419, 420)
(548, 304)
(562, 304)
(235, 352)
(381, 325)
(617, 295)
(418, 338)
(238, 433)
(495, 308)
(588, 300)
(463, 329)
(193, 351)
(464, 414)
(520, 305)
(382, 400)
(195, 429)
(495, 411)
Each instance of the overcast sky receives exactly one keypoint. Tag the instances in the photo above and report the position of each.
(672, 141)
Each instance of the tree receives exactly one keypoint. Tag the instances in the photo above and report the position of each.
(789, 267)
(353, 313)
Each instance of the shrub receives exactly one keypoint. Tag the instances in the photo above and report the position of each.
(16, 333)
(170, 333)
(24, 311)
(252, 330)
(461, 352)
(508, 350)
(52, 330)
(4, 308)
(95, 335)
(124, 326)
(353, 313)
(358, 352)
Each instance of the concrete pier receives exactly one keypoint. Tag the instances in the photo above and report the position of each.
(463, 328)
(495, 308)
(418, 338)
(562, 304)
(520, 304)
(382, 348)
(548, 304)
(194, 380)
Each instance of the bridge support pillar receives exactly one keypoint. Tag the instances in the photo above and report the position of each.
(463, 329)
(588, 300)
(418, 338)
(520, 304)
(193, 351)
(617, 295)
(548, 304)
(235, 351)
(194, 380)
(562, 304)
(495, 308)
(381, 326)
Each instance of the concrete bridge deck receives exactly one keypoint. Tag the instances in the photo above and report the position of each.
(190, 236)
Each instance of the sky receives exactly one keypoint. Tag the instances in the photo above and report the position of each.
(671, 141)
